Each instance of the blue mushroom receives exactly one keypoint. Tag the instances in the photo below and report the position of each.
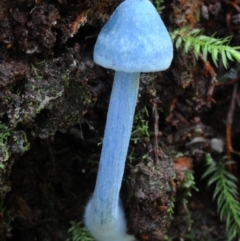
(134, 40)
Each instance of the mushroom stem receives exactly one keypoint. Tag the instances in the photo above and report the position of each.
(104, 210)
(115, 144)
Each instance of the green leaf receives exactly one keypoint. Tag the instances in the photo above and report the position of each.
(178, 42)
(203, 38)
(224, 59)
(205, 51)
(226, 41)
(195, 31)
(196, 48)
(214, 53)
(187, 45)
(213, 179)
(77, 237)
(222, 212)
(229, 55)
(209, 171)
(230, 176)
(235, 54)
(212, 41)
(216, 192)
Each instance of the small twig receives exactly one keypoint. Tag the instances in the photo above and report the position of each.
(157, 149)
(210, 70)
(156, 131)
(230, 82)
(172, 107)
(208, 67)
(181, 118)
(229, 122)
(234, 5)
(173, 104)
(238, 98)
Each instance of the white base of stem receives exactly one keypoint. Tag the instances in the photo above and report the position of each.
(115, 230)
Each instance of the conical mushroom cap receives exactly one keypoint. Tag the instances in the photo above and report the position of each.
(134, 39)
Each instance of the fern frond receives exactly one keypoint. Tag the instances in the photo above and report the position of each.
(78, 233)
(201, 44)
(225, 194)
